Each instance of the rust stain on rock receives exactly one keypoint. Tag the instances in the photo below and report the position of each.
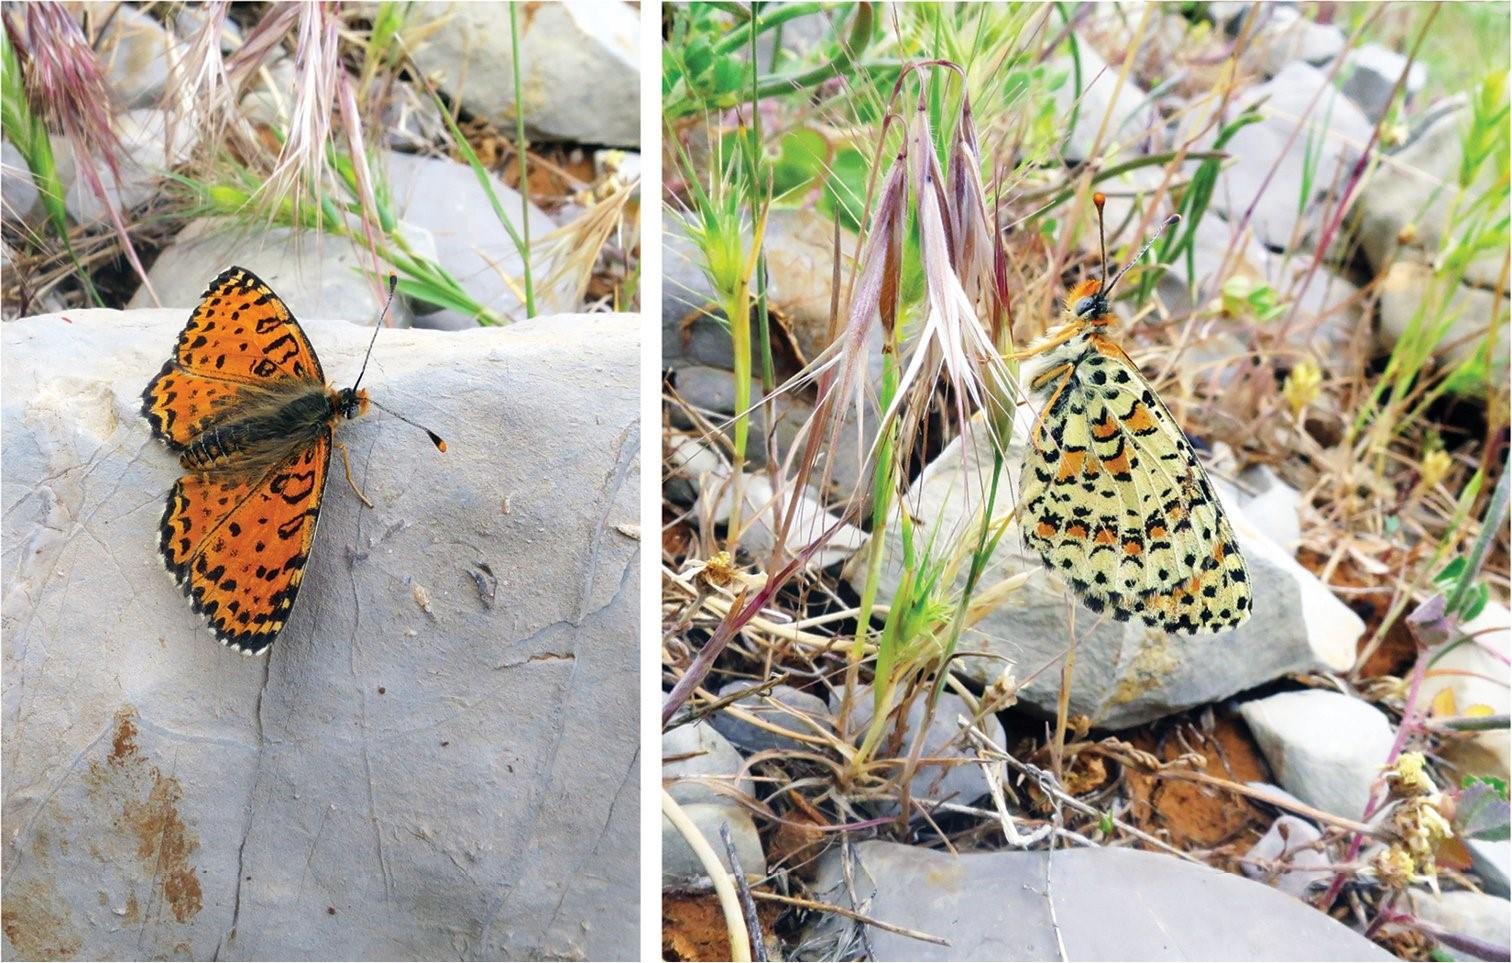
(37, 923)
(165, 844)
(123, 743)
(129, 823)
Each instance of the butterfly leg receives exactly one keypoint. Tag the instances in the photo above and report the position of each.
(1063, 373)
(346, 460)
(1065, 334)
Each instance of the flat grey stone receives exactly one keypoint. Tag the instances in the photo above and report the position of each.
(1480, 915)
(1270, 504)
(960, 780)
(1213, 263)
(387, 783)
(1099, 904)
(1130, 119)
(762, 513)
(681, 868)
(1407, 286)
(269, 98)
(1295, 865)
(1266, 157)
(20, 193)
(712, 391)
(316, 276)
(444, 198)
(147, 155)
(580, 65)
(1369, 75)
(1326, 748)
(696, 759)
(191, 20)
(1289, 36)
(1413, 186)
(138, 57)
(1233, 15)
(1492, 862)
(782, 706)
(1328, 312)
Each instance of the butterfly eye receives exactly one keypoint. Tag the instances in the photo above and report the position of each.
(1085, 306)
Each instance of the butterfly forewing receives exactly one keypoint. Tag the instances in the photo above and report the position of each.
(240, 334)
(1117, 503)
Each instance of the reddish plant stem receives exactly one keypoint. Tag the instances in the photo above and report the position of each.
(1404, 729)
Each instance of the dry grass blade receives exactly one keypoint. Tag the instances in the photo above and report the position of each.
(298, 173)
(851, 914)
(572, 250)
(67, 86)
(729, 902)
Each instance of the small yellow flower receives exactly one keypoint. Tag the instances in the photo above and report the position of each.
(1423, 829)
(1393, 866)
(1302, 385)
(1409, 777)
(1417, 819)
(1081, 725)
(720, 569)
(1435, 467)
(1003, 693)
(1386, 688)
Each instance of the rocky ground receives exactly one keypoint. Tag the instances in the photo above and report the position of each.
(1258, 752)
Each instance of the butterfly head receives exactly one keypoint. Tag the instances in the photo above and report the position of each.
(1088, 303)
(352, 402)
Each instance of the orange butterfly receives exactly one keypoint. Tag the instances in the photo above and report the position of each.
(244, 404)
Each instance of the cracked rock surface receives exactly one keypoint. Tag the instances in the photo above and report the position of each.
(438, 756)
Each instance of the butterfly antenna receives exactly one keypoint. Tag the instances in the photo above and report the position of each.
(392, 284)
(435, 438)
(1174, 218)
(1099, 199)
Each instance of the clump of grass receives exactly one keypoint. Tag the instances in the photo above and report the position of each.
(717, 224)
(1476, 223)
(53, 81)
(314, 168)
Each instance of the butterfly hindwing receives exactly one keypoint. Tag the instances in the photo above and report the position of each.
(237, 543)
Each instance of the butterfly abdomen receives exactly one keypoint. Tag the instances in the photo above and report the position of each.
(275, 424)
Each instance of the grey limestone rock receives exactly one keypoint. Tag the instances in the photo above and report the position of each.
(1076, 904)
(697, 762)
(580, 65)
(1326, 748)
(681, 867)
(436, 760)
(318, 276)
